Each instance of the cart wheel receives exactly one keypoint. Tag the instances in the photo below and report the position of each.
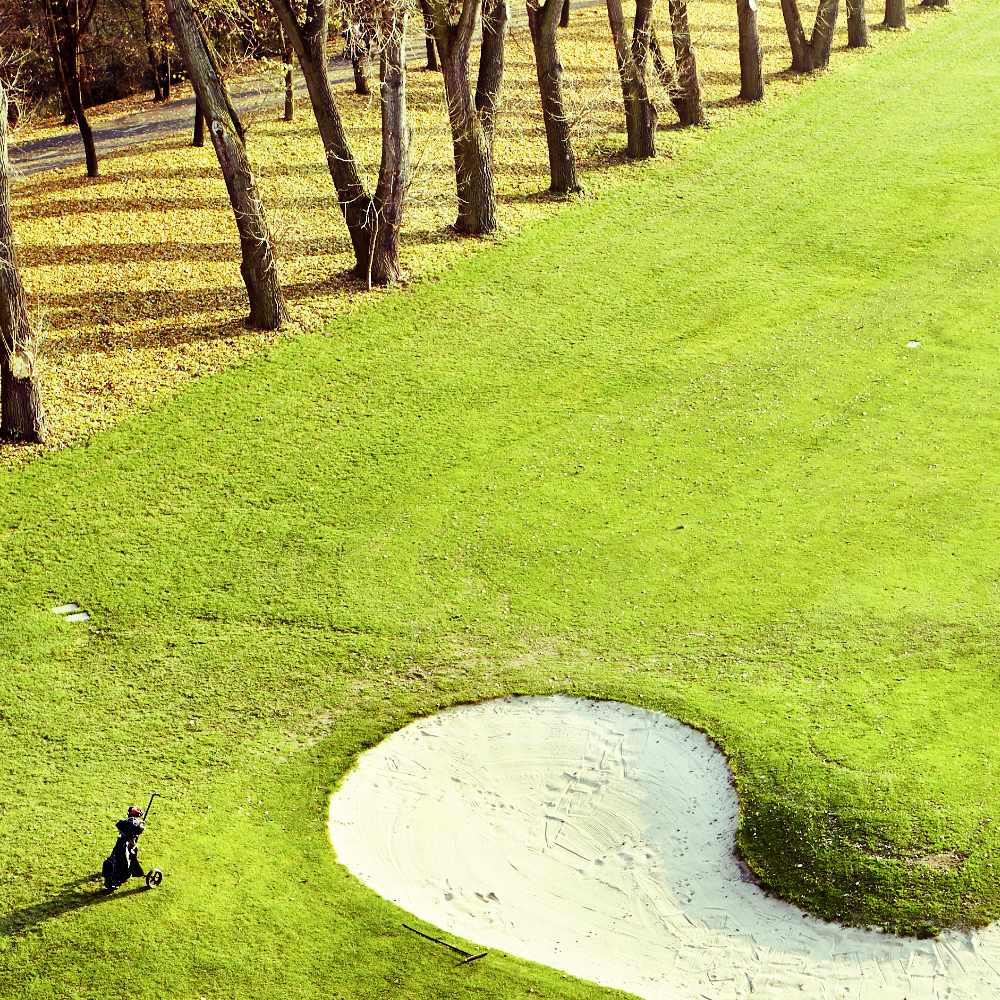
(153, 878)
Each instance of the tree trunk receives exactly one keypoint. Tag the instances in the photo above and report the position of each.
(52, 34)
(751, 55)
(543, 23)
(198, 140)
(310, 42)
(857, 25)
(66, 26)
(154, 64)
(811, 54)
(472, 116)
(472, 151)
(372, 222)
(640, 113)
(216, 66)
(895, 14)
(797, 41)
(83, 122)
(394, 169)
(22, 416)
(360, 67)
(259, 269)
(496, 16)
(432, 61)
(287, 54)
(687, 100)
(166, 73)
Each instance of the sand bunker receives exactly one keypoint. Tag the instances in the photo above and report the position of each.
(598, 838)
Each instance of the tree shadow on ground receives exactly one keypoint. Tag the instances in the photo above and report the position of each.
(71, 896)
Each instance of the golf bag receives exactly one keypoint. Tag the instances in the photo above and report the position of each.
(123, 862)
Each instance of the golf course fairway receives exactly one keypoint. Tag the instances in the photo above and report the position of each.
(671, 447)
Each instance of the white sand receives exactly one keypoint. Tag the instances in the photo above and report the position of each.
(598, 838)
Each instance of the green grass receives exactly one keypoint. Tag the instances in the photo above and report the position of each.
(669, 447)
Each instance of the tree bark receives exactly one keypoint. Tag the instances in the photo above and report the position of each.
(259, 268)
(810, 53)
(154, 63)
(687, 99)
(751, 55)
(857, 25)
(287, 54)
(198, 140)
(361, 85)
(216, 66)
(641, 115)
(394, 169)
(543, 24)
(472, 115)
(895, 14)
(22, 416)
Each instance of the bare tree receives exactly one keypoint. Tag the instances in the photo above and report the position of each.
(373, 220)
(68, 19)
(751, 55)
(259, 268)
(544, 20)
(471, 114)
(641, 115)
(22, 416)
(813, 52)
(895, 14)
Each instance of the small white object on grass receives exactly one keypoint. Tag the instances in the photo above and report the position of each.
(599, 839)
(913, 344)
(71, 613)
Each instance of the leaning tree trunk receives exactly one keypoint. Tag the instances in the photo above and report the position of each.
(22, 416)
(802, 61)
(394, 170)
(640, 112)
(259, 268)
(895, 14)
(751, 55)
(857, 25)
(543, 23)
(687, 99)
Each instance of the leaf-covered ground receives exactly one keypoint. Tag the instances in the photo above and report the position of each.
(134, 276)
(669, 447)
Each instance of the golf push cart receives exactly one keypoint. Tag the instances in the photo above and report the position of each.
(123, 862)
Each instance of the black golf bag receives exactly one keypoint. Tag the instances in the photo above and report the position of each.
(123, 862)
